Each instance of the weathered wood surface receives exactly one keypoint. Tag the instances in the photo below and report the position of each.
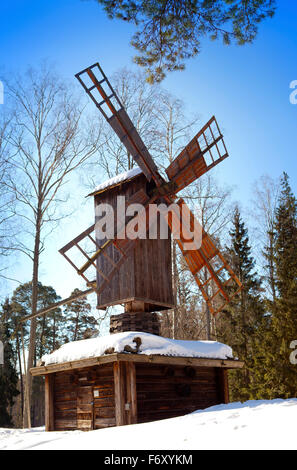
(147, 275)
(84, 399)
(127, 392)
(131, 393)
(119, 390)
(166, 392)
(147, 322)
(223, 385)
(49, 404)
(154, 359)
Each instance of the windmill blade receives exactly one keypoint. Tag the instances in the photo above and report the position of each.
(98, 87)
(205, 151)
(214, 277)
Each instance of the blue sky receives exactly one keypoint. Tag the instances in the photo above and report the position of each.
(247, 88)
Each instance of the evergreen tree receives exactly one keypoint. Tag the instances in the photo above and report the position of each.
(280, 374)
(81, 324)
(239, 324)
(170, 32)
(48, 327)
(49, 336)
(8, 373)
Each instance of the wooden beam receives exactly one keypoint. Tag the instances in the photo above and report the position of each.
(49, 403)
(119, 393)
(154, 359)
(57, 304)
(131, 393)
(223, 385)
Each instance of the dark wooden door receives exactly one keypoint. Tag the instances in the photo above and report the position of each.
(85, 408)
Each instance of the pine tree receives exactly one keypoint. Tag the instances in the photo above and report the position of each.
(81, 324)
(280, 375)
(8, 373)
(48, 331)
(49, 335)
(170, 32)
(239, 323)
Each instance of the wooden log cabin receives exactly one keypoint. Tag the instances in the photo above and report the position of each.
(121, 388)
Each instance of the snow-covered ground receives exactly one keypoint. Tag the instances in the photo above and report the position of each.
(251, 425)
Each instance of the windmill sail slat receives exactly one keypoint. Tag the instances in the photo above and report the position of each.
(127, 133)
(201, 260)
(112, 109)
(205, 151)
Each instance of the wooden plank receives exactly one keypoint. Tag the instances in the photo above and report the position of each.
(131, 392)
(223, 385)
(119, 393)
(49, 402)
(104, 423)
(65, 425)
(157, 359)
(104, 412)
(85, 409)
(136, 278)
(84, 424)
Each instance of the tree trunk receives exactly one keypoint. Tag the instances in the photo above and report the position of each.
(31, 352)
(21, 373)
(175, 282)
(271, 267)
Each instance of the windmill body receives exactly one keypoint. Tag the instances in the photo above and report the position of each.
(144, 283)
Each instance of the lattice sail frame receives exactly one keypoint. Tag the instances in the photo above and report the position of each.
(206, 150)
(204, 260)
(115, 114)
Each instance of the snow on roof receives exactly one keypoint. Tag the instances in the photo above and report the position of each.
(127, 175)
(150, 344)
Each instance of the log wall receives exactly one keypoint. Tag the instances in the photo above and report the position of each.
(126, 392)
(169, 391)
(147, 322)
(84, 398)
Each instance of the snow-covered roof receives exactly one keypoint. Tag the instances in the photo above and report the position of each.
(127, 175)
(150, 345)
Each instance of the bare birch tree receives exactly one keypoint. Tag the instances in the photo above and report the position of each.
(48, 143)
(213, 207)
(266, 193)
(8, 224)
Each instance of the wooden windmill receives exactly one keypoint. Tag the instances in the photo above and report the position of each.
(143, 284)
(114, 389)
